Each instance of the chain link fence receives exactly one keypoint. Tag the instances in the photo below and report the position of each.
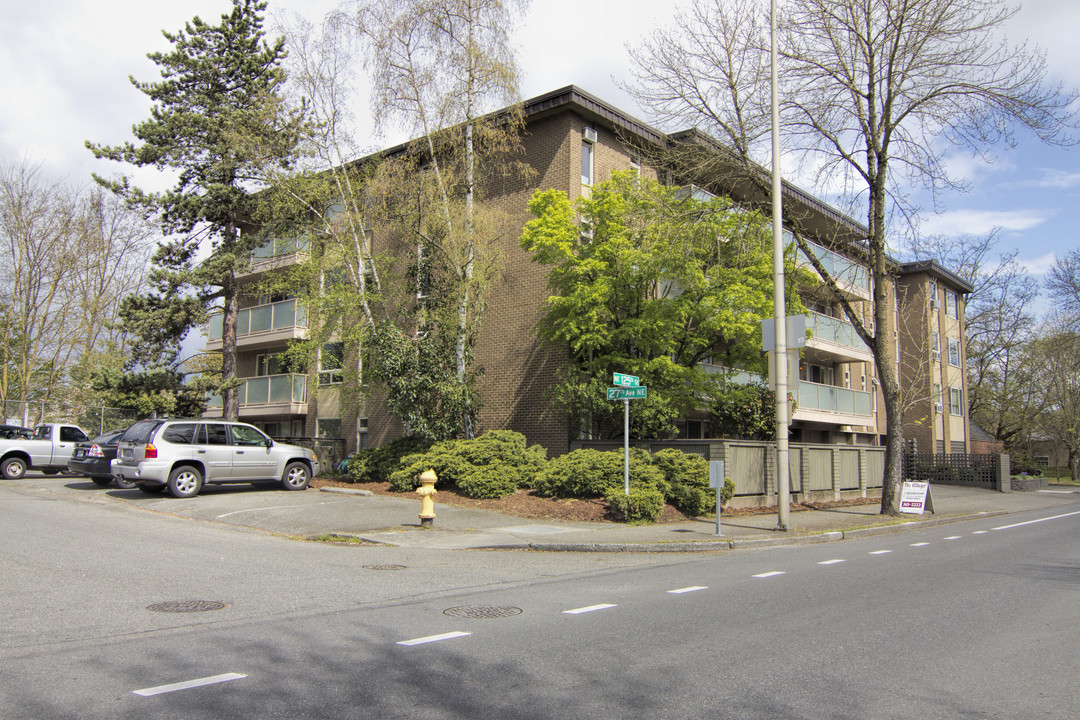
(94, 419)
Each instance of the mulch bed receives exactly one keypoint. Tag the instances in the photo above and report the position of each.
(526, 504)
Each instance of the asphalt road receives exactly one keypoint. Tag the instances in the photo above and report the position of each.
(968, 620)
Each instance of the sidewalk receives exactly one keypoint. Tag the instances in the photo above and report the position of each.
(393, 521)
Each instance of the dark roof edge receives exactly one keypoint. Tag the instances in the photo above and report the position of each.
(933, 267)
(572, 94)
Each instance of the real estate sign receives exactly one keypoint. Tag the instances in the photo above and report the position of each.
(913, 497)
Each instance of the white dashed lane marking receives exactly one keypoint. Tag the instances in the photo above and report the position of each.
(1029, 522)
(880, 552)
(922, 544)
(161, 689)
(952, 537)
(830, 562)
(979, 532)
(588, 609)
(433, 638)
(774, 573)
(692, 588)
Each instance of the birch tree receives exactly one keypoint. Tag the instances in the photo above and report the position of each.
(875, 92)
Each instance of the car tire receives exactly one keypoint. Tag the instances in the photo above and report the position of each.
(151, 489)
(101, 480)
(122, 482)
(297, 475)
(50, 471)
(13, 468)
(185, 481)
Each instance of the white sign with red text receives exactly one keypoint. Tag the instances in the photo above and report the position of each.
(913, 497)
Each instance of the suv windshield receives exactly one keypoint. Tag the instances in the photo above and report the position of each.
(140, 432)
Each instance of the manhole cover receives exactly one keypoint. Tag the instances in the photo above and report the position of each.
(384, 567)
(480, 612)
(186, 606)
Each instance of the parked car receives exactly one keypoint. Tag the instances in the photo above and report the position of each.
(183, 455)
(14, 432)
(93, 459)
(48, 450)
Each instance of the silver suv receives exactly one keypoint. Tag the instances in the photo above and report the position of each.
(182, 455)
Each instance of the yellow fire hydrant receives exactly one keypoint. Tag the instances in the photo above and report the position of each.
(427, 491)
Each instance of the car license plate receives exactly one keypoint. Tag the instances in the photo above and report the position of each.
(80, 453)
(127, 453)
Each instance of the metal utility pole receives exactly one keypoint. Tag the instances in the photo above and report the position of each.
(783, 501)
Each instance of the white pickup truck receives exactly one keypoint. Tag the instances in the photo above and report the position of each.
(49, 450)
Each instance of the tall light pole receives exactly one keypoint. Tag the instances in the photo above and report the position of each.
(783, 502)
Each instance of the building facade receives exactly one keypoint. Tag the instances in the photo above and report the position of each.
(572, 141)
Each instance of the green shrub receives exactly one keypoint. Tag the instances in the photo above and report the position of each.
(490, 466)
(687, 477)
(593, 473)
(643, 505)
(378, 463)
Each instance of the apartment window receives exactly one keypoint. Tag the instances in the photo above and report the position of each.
(933, 294)
(588, 140)
(955, 406)
(635, 165)
(954, 352)
(328, 428)
(331, 362)
(950, 304)
(938, 407)
(935, 340)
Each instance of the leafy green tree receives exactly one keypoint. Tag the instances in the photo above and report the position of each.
(217, 122)
(654, 283)
(744, 411)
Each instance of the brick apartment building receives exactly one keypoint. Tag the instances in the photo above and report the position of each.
(573, 140)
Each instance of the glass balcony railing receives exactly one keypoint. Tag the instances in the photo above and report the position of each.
(268, 390)
(841, 268)
(262, 318)
(829, 398)
(835, 330)
(280, 247)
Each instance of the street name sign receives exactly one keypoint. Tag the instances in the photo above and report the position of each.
(625, 380)
(627, 393)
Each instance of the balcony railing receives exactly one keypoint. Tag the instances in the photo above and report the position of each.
(279, 247)
(842, 269)
(268, 390)
(836, 331)
(829, 398)
(262, 318)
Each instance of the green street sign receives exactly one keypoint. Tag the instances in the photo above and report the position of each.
(630, 393)
(625, 380)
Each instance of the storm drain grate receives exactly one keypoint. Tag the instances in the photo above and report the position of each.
(186, 606)
(384, 567)
(480, 612)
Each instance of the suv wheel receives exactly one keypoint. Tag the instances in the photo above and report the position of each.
(296, 476)
(185, 481)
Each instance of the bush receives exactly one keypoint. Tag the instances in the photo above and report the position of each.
(643, 505)
(591, 473)
(491, 466)
(376, 464)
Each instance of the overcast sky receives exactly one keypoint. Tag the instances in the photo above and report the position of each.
(64, 66)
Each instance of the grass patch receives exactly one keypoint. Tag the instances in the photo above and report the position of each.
(340, 539)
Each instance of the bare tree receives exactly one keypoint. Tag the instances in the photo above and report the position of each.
(1063, 284)
(67, 260)
(874, 92)
(1057, 355)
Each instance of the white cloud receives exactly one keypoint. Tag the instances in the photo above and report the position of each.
(1040, 265)
(981, 222)
(1052, 178)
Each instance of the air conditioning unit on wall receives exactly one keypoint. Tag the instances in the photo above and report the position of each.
(589, 135)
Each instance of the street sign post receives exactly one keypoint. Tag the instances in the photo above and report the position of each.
(629, 389)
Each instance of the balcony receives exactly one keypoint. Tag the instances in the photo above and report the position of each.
(833, 405)
(278, 253)
(851, 277)
(266, 395)
(262, 326)
(835, 340)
